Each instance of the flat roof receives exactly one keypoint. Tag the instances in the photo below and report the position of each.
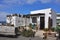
(41, 11)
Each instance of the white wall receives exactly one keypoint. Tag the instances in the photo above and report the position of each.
(15, 21)
(53, 15)
(8, 20)
(28, 21)
(47, 15)
(19, 21)
(12, 20)
(58, 17)
(44, 11)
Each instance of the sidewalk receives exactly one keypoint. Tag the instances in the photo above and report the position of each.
(39, 33)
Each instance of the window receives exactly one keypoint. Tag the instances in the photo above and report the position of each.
(34, 20)
(50, 13)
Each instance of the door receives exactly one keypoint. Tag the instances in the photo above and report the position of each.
(42, 22)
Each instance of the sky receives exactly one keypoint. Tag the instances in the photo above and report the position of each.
(25, 6)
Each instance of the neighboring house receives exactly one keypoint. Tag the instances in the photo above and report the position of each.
(58, 19)
(44, 18)
(17, 20)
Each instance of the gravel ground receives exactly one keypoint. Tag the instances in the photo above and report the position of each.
(2, 37)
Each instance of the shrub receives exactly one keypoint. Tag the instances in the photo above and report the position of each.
(28, 33)
(57, 28)
(30, 26)
(46, 29)
(53, 29)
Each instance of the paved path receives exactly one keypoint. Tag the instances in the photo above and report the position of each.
(51, 38)
(39, 33)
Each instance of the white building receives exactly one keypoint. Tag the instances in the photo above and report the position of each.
(17, 20)
(44, 18)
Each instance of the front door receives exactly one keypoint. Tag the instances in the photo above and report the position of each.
(42, 22)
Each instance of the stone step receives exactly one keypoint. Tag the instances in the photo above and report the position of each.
(39, 33)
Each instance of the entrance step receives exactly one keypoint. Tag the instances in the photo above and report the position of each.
(39, 33)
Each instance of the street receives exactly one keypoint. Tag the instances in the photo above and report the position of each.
(2, 37)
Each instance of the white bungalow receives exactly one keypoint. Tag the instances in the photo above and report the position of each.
(44, 18)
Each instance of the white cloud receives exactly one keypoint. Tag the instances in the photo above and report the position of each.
(3, 16)
(31, 1)
(18, 2)
(57, 1)
(45, 1)
(2, 6)
(21, 2)
(11, 3)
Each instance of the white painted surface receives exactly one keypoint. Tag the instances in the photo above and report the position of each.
(58, 17)
(16, 21)
(53, 15)
(46, 20)
(7, 29)
(41, 11)
(30, 19)
(8, 20)
(48, 13)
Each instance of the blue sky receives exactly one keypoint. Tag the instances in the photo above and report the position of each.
(25, 6)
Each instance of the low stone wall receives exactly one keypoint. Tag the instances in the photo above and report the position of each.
(7, 29)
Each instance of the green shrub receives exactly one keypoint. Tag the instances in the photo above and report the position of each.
(30, 26)
(53, 29)
(28, 33)
(46, 29)
(57, 28)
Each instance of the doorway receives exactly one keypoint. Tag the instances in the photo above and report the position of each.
(42, 22)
